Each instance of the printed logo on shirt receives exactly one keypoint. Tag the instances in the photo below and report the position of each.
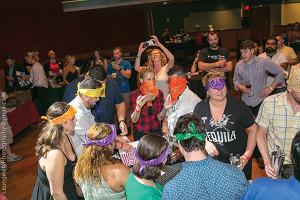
(222, 136)
(222, 124)
(216, 57)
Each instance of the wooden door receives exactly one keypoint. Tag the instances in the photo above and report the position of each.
(260, 22)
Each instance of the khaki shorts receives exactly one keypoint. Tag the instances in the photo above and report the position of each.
(6, 135)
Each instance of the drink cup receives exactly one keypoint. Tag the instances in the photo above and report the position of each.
(189, 75)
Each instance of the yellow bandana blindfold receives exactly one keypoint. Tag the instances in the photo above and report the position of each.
(100, 92)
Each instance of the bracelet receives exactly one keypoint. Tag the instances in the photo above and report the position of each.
(138, 56)
(122, 120)
(245, 156)
(122, 144)
(217, 64)
(271, 88)
(137, 110)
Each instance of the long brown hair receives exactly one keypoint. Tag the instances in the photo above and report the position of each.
(93, 157)
(51, 135)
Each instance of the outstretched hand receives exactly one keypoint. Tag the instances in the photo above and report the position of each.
(211, 149)
(141, 49)
(156, 42)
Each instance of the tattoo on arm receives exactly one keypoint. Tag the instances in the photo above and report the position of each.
(162, 114)
(135, 116)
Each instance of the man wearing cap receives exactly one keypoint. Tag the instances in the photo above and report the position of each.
(202, 177)
(278, 122)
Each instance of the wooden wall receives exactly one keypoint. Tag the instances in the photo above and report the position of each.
(30, 23)
(230, 38)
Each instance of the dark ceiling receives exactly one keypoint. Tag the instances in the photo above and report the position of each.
(77, 5)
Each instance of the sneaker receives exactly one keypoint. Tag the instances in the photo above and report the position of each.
(3, 168)
(13, 157)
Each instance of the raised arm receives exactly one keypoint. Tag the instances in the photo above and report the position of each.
(137, 63)
(194, 65)
(166, 51)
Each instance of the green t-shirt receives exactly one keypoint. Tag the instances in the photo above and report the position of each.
(136, 190)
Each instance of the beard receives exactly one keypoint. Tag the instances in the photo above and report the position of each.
(213, 45)
(296, 99)
(270, 50)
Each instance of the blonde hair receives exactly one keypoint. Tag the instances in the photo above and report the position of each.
(51, 135)
(29, 55)
(164, 59)
(93, 157)
(144, 70)
(68, 58)
(50, 53)
(211, 75)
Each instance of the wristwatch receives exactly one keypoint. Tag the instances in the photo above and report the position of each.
(122, 121)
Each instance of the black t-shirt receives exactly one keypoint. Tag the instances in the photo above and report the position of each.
(208, 55)
(229, 136)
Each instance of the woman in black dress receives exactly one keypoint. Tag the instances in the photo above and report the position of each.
(70, 71)
(57, 157)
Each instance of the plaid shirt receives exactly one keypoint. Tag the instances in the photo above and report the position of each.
(277, 116)
(148, 122)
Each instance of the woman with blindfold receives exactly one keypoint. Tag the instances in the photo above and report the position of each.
(151, 154)
(99, 175)
(147, 105)
(56, 155)
(226, 119)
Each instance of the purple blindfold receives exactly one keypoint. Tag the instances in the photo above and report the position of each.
(152, 162)
(218, 84)
(104, 141)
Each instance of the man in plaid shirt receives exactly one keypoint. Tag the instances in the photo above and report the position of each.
(278, 122)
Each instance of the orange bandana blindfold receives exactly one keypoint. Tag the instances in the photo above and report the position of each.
(63, 118)
(176, 87)
(148, 87)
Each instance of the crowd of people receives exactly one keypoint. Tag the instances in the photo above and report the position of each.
(77, 142)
